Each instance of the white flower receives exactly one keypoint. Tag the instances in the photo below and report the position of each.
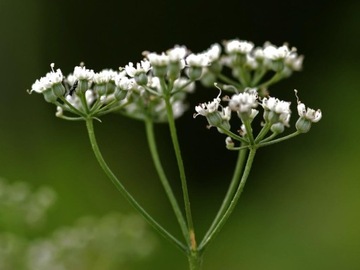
(51, 78)
(104, 76)
(177, 53)
(198, 60)
(276, 105)
(213, 52)
(226, 113)
(258, 53)
(158, 59)
(279, 107)
(244, 102)
(208, 107)
(238, 46)
(294, 61)
(142, 67)
(124, 82)
(308, 113)
(82, 73)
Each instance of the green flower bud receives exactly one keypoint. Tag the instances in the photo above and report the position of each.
(174, 70)
(277, 128)
(120, 94)
(58, 89)
(49, 95)
(214, 119)
(141, 78)
(159, 71)
(194, 73)
(100, 89)
(83, 86)
(303, 125)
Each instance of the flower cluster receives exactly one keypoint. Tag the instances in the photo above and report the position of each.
(138, 90)
(276, 116)
(251, 66)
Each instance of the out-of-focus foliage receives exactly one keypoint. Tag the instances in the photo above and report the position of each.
(109, 242)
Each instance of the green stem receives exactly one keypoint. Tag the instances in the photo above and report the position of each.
(263, 132)
(124, 192)
(233, 135)
(277, 77)
(175, 141)
(195, 260)
(233, 202)
(230, 81)
(231, 191)
(164, 181)
(262, 144)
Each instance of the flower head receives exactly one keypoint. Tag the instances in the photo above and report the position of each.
(276, 110)
(244, 102)
(238, 46)
(52, 78)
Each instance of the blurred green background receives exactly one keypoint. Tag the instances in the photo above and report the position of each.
(301, 206)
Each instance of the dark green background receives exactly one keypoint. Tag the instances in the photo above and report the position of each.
(300, 208)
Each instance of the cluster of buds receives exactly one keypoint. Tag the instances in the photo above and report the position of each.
(251, 66)
(276, 116)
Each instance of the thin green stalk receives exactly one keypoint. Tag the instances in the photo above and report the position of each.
(230, 81)
(195, 260)
(233, 135)
(124, 192)
(179, 160)
(164, 181)
(231, 191)
(263, 132)
(262, 144)
(233, 203)
(277, 76)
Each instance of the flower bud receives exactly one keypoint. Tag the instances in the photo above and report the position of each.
(100, 89)
(303, 125)
(49, 95)
(58, 89)
(120, 94)
(194, 72)
(141, 78)
(277, 128)
(82, 86)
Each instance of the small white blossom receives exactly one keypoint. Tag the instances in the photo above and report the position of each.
(238, 46)
(158, 59)
(124, 82)
(142, 67)
(279, 107)
(308, 113)
(177, 53)
(198, 60)
(207, 107)
(213, 52)
(82, 73)
(294, 61)
(51, 78)
(226, 113)
(244, 102)
(312, 115)
(104, 76)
